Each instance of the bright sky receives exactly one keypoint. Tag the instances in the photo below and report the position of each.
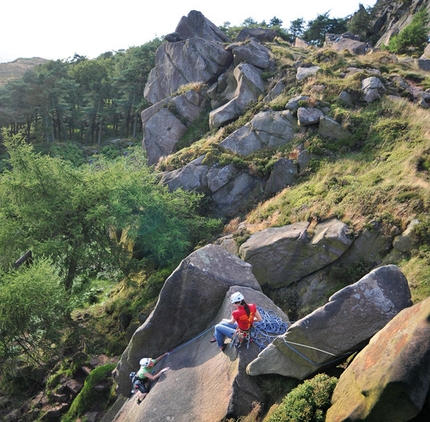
(53, 30)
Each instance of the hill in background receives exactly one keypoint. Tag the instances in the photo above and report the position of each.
(17, 68)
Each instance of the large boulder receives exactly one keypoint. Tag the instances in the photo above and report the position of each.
(266, 129)
(236, 195)
(166, 122)
(372, 88)
(196, 25)
(281, 256)
(307, 116)
(161, 134)
(390, 378)
(249, 87)
(188, 301)
(327, 335)
(346, 41)
(252, 52)
(284, 174)
(304, 73)
(329, 128)
(184, 62)
(191, 177)
(231, 190)
(218, 380)
(261, 34)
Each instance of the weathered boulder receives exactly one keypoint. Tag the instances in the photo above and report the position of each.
(307, 116)
(219, 176)
(372, 88)
(281, 256)
(408, 240)
(184, 62)
(329, 128)
(231, 189)
(284, 174)
(249, 87)
(296, 102)
(274, 91)
(346, 98)
(191, 177)
(300, 43)
(350, 318)
(236, 195)
(219, 379)
(424, 60)
(196, 25)
(252, 52)
(261, 34)
(163, 128)
(306, 72)
(346, 42)
(162, 132)
(390, 378)
(188, 301)
(266, 129)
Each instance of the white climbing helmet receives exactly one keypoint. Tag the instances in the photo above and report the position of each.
(236, 297)
(144, 362)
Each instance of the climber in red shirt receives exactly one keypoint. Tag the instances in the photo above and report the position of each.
(241, 321)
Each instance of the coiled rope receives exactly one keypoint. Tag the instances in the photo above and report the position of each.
(265, 331)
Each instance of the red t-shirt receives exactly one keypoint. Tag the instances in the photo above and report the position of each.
(244, 321)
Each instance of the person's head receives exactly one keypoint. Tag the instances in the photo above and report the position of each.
(237, 298)
(145, 362)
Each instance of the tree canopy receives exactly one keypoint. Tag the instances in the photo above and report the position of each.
(101, 217)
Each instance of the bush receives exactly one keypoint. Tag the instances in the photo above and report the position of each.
(308, 402)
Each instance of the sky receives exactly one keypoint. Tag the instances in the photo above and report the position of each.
(54, 30)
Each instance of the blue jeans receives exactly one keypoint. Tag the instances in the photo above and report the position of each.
(222, 330)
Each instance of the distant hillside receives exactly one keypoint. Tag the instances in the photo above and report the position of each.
(17, 68)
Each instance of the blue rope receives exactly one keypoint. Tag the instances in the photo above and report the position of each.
(265, 331)
(336, 359)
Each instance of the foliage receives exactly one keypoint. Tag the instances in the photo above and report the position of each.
(318, 28)
(81, 100)
(89, 396)
(360, 22)
(34, 313)
(308, 402)
(412, 36)
(74, 214)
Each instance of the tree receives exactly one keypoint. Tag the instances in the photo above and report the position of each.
(359, 22)
(297, 27)
(72, 215)
(413, 36)
(34, 312)
(322, 25)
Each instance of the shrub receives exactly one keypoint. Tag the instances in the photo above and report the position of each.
(412, 36)
(308, 402)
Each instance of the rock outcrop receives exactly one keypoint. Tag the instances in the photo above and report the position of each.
(190, 299)
(267, 129)
(389, 380)
(182, 63)
(249, 87)
(213, 385)
(281, 256)
(350, 318)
